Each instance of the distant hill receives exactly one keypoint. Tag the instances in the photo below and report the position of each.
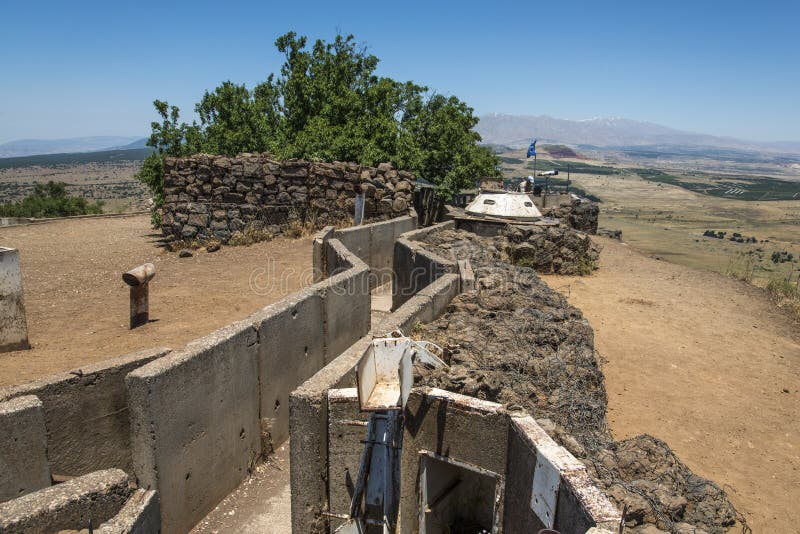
(31, 147)
(104, 156)
(139, 143)
(517, 130)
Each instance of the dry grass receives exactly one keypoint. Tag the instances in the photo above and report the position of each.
(785, 292)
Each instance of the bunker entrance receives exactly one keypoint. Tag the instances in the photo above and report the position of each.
(457, 498)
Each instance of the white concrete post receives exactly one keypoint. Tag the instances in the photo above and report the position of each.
(13, 326)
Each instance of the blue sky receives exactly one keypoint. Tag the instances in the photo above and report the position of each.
(71, 69)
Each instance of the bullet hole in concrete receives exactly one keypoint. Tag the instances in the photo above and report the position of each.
(306, 349)
(241, 433)
(188, 476)
(277, 403)
(294, 314)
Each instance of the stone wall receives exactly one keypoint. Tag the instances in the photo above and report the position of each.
(580, 213)
(212, 197)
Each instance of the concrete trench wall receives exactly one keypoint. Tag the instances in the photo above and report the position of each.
(471, 432)
(310, 418)
(96, 497)
(191, 423)
(371, 243)
(414, 267)
(203, 416)
(23, 448)
(86, 414)
(102, 497)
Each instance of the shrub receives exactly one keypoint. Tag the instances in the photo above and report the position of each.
(50, 200)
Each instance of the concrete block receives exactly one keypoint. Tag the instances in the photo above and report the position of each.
(580, 504)
(348, 303)
(357, 240)
(96, 497)
(195, 423)
(418, 308)
(456, 426)
(319, 253)
(441, 292)
(414, 268)
(467, 275)
(308, 416)
(23, 448)
(86, 414)
(291, 349)
(140, 515)
(13, 325)
(346, 431)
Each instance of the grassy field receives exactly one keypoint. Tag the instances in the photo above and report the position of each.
(669, 221)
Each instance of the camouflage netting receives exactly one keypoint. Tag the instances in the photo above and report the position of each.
(516, 341)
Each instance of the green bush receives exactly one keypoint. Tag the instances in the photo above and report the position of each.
(50, 200)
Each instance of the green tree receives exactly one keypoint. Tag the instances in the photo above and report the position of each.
(327, 103)
(439, 144)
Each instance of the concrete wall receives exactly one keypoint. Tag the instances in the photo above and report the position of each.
(305, 331)
(86, 414)
(374, 245)
(140, 515)
(580, 504)
(291, 348)
(23, 448)
(346, 432)
(454, 426)
(96, 497)
(371, 243)
(413, 267)
(309, 417)
(202, 416)
(485, 435)
(195, 422)
(13, 326)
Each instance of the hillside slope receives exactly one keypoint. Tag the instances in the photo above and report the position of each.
(705, 363)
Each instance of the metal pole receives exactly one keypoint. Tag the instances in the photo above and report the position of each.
(568, 182)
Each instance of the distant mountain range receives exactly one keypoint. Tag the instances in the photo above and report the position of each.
(32, 147)
(516, 131)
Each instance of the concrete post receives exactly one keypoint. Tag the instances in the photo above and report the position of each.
(138, 279)
(13, 326)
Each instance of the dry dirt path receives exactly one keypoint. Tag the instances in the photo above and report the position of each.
(705, 363)
(77, 304)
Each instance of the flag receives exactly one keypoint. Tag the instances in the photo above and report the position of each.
(532, 149)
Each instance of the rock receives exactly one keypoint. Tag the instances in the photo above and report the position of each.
(185, 253)
(189, 232)
(403, 187)
(399, 205)
(384, 167)
(213, 247)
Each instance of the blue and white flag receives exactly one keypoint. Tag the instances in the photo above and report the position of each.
(532, 149)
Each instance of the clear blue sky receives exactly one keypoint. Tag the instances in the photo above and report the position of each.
(72, 69)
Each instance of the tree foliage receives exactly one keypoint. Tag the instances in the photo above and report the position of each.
(327, 103)
(50, 200)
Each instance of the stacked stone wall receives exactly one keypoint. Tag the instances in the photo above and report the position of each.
(212, 197)
(580, 213)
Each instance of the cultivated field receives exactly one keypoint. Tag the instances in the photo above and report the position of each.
(112, 182)
(662, 218)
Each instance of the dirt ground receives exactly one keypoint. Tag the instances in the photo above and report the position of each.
(705, 363)
(77, 303)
